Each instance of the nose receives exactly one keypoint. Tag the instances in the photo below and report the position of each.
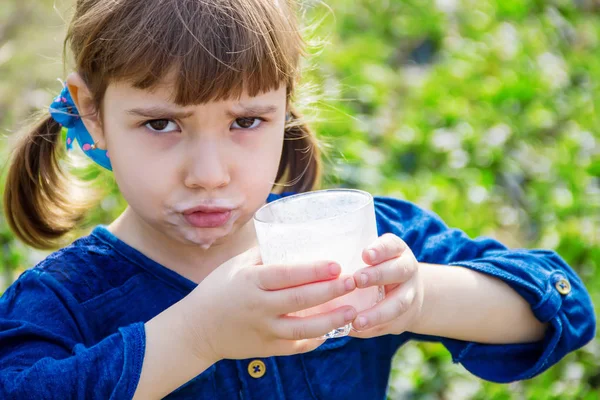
(207, 165)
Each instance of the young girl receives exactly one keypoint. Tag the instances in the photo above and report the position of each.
(190, 104)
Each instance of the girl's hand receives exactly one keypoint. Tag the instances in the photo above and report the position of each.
(239, 310)
(393, 266)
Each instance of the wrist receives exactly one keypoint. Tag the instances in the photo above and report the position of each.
(171, 358)
(431, 291)
(193, 331)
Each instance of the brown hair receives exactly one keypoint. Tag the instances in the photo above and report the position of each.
(227, 45)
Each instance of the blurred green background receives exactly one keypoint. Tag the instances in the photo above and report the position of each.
(484, 111)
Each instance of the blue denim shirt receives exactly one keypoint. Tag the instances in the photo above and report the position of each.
(73, 326)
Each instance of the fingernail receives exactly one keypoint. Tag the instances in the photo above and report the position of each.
(372, 254)
(361, 322)
(349, 315)
(364, 278)
(334, 269)
(349, 284)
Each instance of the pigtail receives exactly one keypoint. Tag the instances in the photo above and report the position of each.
(39, 203)
(300, 166)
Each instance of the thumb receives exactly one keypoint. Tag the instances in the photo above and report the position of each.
(252, 256)
(249, 257)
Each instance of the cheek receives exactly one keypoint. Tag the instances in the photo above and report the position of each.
(134, 170)
(143, 189)
(130, 150)
(256, 169)
(260, 164)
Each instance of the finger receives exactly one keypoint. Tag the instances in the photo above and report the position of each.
(392, 307)
(385, 247)
(298, 328)
(288, 348)
(299, 298)
(394, 271)
(276, 277)
(368, 333)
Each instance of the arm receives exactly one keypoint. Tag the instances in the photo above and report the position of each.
(463, 304)
(533, 275)
(45, 350)
(168, 362)
(48, 351)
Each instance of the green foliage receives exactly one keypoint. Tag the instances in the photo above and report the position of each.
(483, 111)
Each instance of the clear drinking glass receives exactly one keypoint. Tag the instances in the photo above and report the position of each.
(335, 224)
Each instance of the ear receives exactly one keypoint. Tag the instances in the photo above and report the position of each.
(87, 109)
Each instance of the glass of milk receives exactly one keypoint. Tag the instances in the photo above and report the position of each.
(335, 225)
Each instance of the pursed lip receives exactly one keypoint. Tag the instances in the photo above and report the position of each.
(208, 209)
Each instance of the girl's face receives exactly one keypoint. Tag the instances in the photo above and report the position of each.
(168, 159)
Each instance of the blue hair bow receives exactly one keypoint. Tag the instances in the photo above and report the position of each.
(64, 112)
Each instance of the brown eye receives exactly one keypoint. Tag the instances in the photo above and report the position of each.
(247, 123)
(161, 125)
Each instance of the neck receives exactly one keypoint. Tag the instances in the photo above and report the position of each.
(192, 262)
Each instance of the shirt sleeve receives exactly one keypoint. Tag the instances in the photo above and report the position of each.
(43, 350)
(554, 291)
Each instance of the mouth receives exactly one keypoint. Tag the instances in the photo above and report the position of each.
(208, 220)
(207, 209)
(208, 216)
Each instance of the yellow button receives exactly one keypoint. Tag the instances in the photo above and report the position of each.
(563, 286)
(257, 369)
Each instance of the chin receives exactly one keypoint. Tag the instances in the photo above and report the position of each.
(206, 237)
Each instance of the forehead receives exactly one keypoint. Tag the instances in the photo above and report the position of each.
(164, 93)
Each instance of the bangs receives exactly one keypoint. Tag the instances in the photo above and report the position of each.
(212, 50)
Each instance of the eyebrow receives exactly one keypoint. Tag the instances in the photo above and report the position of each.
(253, 110)
(166, 113)
(159, 112)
